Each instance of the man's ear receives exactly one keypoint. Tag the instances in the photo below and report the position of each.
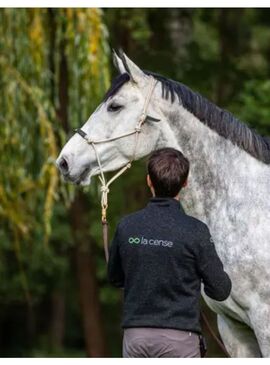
(135, 73)
(149, 182)
(185, 184)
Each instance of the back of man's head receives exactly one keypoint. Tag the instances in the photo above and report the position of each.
(168, 170)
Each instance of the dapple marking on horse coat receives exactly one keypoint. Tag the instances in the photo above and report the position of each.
(228, 185)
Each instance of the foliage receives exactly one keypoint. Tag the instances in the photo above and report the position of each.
(253, 105)
(32, 198)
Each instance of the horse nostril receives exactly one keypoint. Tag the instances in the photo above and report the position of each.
(63, 165)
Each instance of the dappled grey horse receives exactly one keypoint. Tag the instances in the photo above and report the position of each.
(228, 184)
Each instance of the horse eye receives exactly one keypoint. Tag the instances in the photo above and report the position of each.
(114, 107)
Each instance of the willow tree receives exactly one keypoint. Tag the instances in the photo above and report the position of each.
(53, 72)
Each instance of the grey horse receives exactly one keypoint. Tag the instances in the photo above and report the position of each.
(228, 185)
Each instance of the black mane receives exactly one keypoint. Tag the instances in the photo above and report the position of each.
(219, 120)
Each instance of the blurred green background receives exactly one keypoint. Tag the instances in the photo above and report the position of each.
(55, 66)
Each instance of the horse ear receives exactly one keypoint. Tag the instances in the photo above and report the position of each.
(135, 73)
(118, 63)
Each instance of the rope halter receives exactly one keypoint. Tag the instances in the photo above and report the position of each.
(137, 130)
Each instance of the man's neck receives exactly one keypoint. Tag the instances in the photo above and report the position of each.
(177, 197)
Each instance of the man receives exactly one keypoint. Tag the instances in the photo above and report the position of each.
(160, 256)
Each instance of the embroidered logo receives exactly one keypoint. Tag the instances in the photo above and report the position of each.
(149, 241)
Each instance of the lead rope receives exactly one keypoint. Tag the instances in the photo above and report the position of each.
(212, 333)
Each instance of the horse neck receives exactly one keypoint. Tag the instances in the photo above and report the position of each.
(212, 162)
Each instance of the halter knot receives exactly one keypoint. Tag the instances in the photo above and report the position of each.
(104, 189)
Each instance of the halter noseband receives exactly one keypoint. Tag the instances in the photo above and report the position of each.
(105, 185)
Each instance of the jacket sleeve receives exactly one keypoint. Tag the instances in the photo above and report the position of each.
(115, 271)
(217, 284)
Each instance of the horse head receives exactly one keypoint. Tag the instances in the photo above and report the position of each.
(122, 128)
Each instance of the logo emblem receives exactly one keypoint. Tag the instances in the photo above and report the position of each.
(134, 240)
(149, 241)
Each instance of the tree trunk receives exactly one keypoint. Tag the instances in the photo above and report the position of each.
(63, 87)
(51, 53)
(58, 319)
(86, 273)
(229, 27)
(30, 324)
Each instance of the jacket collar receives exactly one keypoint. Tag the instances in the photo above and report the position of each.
(165, 202)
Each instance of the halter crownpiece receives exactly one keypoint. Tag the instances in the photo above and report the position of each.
(105, 185)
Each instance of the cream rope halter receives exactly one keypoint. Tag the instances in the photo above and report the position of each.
(104, 184)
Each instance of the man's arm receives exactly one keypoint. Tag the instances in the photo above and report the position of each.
(217, 284)
(115, 271)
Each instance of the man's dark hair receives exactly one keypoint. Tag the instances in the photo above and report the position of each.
(168, 170)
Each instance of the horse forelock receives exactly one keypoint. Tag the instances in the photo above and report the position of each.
(116, 85)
